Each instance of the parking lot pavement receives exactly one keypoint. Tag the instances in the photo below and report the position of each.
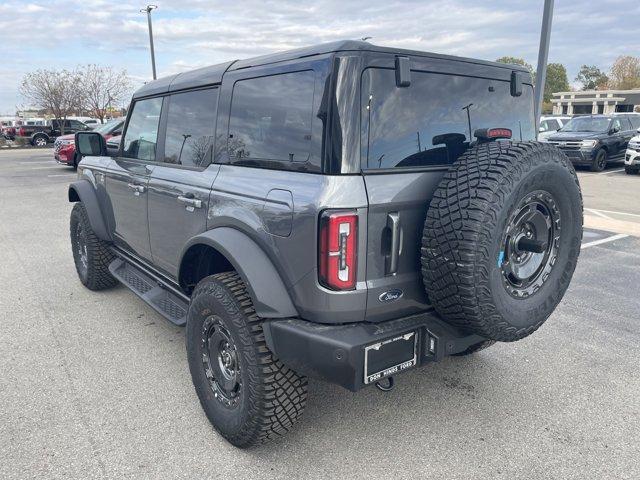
(96, 385)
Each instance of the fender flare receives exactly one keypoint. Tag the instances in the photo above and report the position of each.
(83, 191)
(264, 284)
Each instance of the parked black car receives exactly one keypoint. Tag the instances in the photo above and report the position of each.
(345, 211)
(595, 140)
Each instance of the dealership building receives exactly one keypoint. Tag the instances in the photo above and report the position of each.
(595, 101)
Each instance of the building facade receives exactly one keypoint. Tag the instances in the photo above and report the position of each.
(595, 101)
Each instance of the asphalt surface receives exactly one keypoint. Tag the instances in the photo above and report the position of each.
(96, 385)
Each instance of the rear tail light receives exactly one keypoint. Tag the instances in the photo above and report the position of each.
(337, 260)
(492, 133)
(21, 132)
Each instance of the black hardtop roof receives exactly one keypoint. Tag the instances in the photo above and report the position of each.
(214, 73)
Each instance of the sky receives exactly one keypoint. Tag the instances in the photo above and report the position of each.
(58, 34)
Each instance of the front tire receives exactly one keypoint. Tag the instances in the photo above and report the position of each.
(91, 255)
(248, 396)
(630, 171)
(600, 161)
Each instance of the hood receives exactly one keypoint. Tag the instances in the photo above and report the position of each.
(565, 136)
(70, 136)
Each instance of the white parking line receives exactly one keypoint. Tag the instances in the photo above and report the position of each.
(611, 211)
(612, 238)
(598, 213)
(611, 171)
(62, 175)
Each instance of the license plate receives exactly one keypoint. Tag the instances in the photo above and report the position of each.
(390, 356)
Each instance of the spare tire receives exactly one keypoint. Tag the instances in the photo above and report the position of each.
(502, 237)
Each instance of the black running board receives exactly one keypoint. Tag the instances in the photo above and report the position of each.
(171, 306)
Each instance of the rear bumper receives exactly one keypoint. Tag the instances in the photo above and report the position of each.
(336, 353)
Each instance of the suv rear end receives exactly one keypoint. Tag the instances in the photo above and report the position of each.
(391, 144)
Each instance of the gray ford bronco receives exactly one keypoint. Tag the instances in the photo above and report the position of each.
(344, 212)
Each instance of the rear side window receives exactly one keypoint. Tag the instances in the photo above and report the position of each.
(141, 135)
(635, 121)
(271, 118)
(190, 128)
(432, 121)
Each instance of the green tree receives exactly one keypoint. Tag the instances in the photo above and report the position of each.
(518, 61)
(591, 78)
(625, 73)
(556, 80)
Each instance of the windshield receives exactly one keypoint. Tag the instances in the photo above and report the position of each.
(587, 124)
(107, 127)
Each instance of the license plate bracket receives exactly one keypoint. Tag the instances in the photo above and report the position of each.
(390, 356)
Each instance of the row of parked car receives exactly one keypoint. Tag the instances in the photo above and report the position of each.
(40, 132)
(595, 141)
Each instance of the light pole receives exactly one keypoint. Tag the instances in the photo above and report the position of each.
(543, 56)
(147, 10)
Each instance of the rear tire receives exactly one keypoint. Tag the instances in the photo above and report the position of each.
(39, 141)
(248, 396)
(91, 255)
(630, 171)
(476, 272)
(599, 163)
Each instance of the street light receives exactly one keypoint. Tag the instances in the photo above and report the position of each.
(147, 10)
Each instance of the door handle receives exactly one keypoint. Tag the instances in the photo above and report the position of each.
(137, 189)
(190, 202)
(393, 223)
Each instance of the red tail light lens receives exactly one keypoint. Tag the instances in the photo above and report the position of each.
(337, 260)
(21, 132)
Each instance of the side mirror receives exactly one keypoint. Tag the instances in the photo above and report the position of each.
(638, 130)
(614, 130)
(90, 144)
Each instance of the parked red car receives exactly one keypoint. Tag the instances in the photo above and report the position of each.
(64, 148)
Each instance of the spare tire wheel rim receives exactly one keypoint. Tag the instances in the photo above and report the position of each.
(529, 247)
(220, 359)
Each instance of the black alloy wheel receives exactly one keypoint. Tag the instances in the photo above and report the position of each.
(530, 245)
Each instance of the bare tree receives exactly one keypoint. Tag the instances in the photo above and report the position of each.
(55, 90)
(625, 73)
(103, 88)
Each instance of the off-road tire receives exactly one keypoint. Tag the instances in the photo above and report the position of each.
(462, 239)
(95, 274)
(272, 396)
(599, 162)
(475, 348)
(630, 171)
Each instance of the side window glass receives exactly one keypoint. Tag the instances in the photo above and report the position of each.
(544, 125)
(271, 118)
(142, 131)
(635, 122)
(190, 128)
(553, 125)
(617, 125)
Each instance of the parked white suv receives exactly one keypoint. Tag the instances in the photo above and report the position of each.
(550, 125)
(632, 155)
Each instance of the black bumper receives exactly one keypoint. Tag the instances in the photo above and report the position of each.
(336, 353)
(579, 157)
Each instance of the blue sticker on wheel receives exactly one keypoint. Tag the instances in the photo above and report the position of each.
(500, 258)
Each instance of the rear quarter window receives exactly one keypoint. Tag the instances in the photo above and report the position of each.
(271, 119)
(431, 122)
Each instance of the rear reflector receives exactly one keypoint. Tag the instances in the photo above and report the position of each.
(337, 258)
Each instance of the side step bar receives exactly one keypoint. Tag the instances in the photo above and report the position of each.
(171, 306)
